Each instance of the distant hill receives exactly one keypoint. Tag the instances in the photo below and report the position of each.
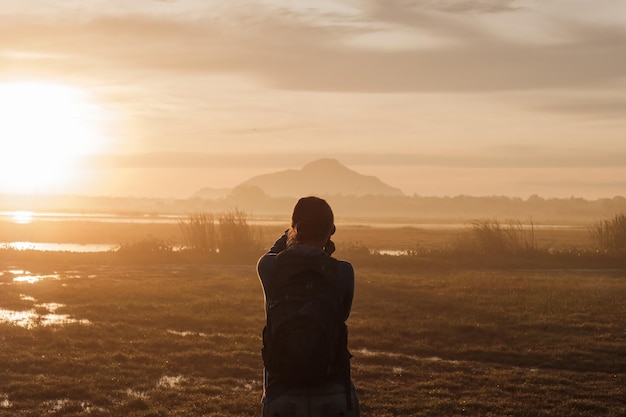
(212, 193)
(321, 177)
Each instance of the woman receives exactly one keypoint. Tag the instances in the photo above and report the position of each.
(306, 246)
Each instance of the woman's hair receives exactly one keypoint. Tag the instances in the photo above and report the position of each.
(312, 220)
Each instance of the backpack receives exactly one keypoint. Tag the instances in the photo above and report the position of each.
(305, 338)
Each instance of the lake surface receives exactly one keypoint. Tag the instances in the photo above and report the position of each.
(60, 247)
(28, 217)
(24, 217)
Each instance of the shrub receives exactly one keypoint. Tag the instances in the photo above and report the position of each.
(147, 249)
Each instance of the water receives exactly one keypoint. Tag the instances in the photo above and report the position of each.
(27, 217)
(40, 314)
(389, 252)
(30, 319)
(20, 275)
(98, 247)
(60, 247)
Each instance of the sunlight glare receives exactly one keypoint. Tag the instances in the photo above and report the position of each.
(22, 217)
(46, 127)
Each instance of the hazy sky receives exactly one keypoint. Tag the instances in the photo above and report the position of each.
(436, 97)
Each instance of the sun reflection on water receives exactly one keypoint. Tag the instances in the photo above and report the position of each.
(21, 275)
(30, 319)
(4, 402)
(22, 217)
(31, 279)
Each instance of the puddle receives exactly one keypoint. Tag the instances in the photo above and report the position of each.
(4, 402)
(24, 276)
(89, 408)
(64, 404)
(30, 319)
(51, 307)
(389, 252)
(18, 318)
(170, 381)
(187, 333)
(393, 355)
(9, 273)
(31, 279)
(137, 394)
(244, 385)
(54, 406)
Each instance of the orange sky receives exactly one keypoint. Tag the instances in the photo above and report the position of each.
(477, 97)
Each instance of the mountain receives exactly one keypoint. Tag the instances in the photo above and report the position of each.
(321, 177)
(212, 193)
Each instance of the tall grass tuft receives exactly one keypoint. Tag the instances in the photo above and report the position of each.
(490, 237)
(610, 234)
(199, 232)
(237, 236)
(227, 235)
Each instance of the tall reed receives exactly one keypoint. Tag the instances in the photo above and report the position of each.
(490, 237)
(227, 235)
(199, 232)
(610, 234)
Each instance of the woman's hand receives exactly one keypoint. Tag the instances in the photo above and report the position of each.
(329, 247)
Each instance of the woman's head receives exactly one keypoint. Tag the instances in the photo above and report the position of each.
(312, 221)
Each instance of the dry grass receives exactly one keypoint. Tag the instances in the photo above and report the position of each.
(183, 340)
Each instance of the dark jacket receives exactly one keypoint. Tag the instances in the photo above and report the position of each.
(266, 271)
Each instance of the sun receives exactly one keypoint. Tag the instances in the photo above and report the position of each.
(45, 128)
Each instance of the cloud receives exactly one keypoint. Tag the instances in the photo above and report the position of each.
(503, 157)
(476, 6)
(595, 108)
(428, 16)
(469, 59)
(189, 160)
(288, 51)
(520, 156)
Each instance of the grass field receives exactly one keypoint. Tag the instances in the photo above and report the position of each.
(184, 340)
